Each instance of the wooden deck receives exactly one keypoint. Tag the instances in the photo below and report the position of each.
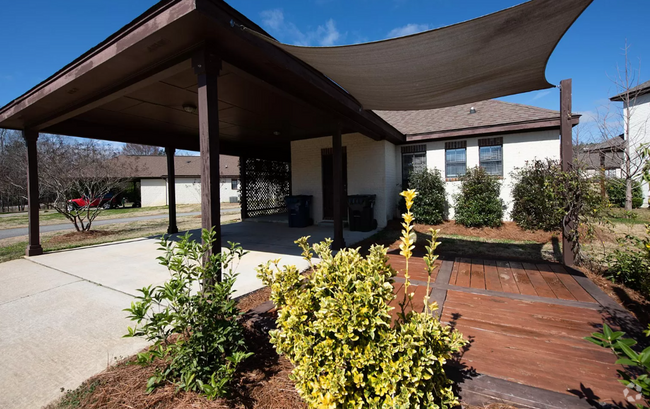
(526, 323)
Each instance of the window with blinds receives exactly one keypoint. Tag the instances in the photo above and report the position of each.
(455, 159)
(414, 159)
(491, 155)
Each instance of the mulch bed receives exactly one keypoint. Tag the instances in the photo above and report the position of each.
(77, 236)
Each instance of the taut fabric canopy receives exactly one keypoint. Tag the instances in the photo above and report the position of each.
(499, 54)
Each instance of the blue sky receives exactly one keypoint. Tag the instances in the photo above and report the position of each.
(41, 36)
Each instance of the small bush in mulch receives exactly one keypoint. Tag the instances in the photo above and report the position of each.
(616, 190)
(479, 203)
(431, 206)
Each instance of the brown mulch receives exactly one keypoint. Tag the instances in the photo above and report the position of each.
(77, 236)
(252, 300)
(507, 231)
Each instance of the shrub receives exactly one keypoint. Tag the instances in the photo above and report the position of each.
(616, 188)
(629, 264)
(431, 207)
(478, 204)
(195, 333)
(334, 324)
(536, 204)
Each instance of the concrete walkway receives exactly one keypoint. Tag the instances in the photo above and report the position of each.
(22, 231)
(61, 315)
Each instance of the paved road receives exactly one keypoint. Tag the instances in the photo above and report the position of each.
(22, 231)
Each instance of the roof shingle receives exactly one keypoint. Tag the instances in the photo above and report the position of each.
(156, 166)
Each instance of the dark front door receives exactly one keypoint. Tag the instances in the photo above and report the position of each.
(328, 183)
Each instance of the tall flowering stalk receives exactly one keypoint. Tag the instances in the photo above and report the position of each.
(430, 260)
(407, 245)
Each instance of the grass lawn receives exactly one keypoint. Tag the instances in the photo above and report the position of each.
(640, 216)
(49, 217)
(14, 248)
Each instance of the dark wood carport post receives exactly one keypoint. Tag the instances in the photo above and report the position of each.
(207, 66)
(243, 184)
(566, 154)
(171, 190)
(339, 201)
(34, 247)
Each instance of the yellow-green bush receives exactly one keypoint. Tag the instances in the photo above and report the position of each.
(334, 324)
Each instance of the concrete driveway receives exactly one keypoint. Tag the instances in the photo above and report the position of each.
(61, 315)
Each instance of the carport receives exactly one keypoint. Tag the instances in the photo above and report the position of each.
(198, 75)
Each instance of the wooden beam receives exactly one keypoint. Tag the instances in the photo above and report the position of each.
(207, 66)
(34, 247)
(566, 154)
(243, 184)
(339, 200)
(171, 191)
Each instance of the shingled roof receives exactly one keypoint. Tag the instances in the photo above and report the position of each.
(458, 120)
(184, 166)
(635, 92)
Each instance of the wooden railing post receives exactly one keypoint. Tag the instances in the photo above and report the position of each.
(171, 190)
(34, 247)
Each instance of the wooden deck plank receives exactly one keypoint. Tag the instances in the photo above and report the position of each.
(477, 278)
(507, 280)
(523, 282)
(538, 282)
(454, 271)
(554, 282)
(464, 272)
(491, 276)
(571, 284)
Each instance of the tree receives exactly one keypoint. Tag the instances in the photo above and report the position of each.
(13, 176)
(142, 150)
(79, 170)
(612, 123)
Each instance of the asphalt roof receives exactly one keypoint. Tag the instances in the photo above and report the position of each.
(488, 113)
(638, 90)
(156, 166)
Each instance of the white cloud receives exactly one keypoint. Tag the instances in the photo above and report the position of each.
(541, 94)
(286, 31)
(407, 30)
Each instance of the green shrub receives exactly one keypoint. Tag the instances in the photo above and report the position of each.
(629, 264)
(536, 202)
(196, 334)
(478, 204)
(616, 188)
(636, 375)
(431, 207)
(334, 324)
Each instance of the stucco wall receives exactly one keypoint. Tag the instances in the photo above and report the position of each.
(371, 170)
(640, 131)
(517, 149)
(188, 191)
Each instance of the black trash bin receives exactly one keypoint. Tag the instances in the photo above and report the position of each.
(299, 210)
(361, 212)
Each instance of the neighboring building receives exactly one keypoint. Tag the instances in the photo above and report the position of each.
(151, 171)
(639, 132)
(607, 157)
(496, 135)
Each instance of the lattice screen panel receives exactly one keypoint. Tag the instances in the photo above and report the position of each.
(265, 183)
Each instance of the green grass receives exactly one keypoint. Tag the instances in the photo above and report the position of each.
(639, 216)
(73, 398)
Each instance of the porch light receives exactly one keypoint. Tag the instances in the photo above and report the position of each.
(472, 110)
(190, 108)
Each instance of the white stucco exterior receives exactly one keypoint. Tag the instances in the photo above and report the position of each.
(639, 132)
(375, 167)
(371, 170)
(153, 192)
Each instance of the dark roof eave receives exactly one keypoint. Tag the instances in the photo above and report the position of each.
(525, 126)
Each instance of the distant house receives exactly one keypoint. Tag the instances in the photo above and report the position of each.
(639, 131)
(498, 136)
(607, 156)
(151, 174)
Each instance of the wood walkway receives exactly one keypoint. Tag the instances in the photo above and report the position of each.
(526, 322)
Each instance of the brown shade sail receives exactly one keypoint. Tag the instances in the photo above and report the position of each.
(496, 55)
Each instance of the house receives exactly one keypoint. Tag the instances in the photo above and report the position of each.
(607, 156)
(498, 136)
(636, 104)
(150, 172)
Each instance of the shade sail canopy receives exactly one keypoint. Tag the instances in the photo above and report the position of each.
(496, 55)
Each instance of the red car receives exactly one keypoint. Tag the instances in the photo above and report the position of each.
(109, 201)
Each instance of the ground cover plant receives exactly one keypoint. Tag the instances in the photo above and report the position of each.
(431, 206)
(334, 325)
(195, 333)
(629, 263)
(479, 203)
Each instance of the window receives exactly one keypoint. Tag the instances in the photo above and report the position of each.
(455, 159)
(611, 173)
(414, 158)
(234, 184)
(491, 155)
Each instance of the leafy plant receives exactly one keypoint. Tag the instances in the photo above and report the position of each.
(637, 379)
(196, 334)
(629, 264)
(432, 205)
(616, 188)
(479, 204)
(536, 204)
(334, 324)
